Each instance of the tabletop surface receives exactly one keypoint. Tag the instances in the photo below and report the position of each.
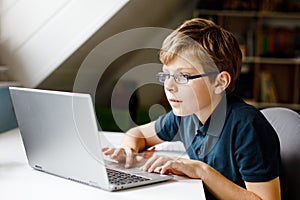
(19, 181)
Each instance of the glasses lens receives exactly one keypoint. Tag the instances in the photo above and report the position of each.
(181, 78)
(162, 77)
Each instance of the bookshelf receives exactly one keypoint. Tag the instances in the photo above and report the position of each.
(270, 42)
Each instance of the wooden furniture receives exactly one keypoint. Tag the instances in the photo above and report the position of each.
(270, 42)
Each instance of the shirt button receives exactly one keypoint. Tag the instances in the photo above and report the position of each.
(198, 152)
(201, 133)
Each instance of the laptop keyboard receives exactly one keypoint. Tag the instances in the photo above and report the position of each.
(121, 178)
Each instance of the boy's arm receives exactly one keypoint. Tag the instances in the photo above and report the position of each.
(134, 141)
(219, 185)
(141, 137)
(223, 188)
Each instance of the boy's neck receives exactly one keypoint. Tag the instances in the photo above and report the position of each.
(206, 112)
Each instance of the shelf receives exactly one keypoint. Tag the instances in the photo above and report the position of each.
(232, 13)
(265, 60)
(245, 13)
(263, 34)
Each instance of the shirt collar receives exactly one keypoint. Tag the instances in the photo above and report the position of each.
(214, 124)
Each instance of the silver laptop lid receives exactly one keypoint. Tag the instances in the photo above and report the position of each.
(60, 134)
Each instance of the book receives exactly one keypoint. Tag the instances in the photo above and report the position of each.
(268, 89)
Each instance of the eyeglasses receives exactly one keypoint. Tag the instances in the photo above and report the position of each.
(180, 78)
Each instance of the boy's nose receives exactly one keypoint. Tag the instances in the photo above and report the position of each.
(170, 85)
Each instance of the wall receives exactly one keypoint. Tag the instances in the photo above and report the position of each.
(45, 42)
(37, 36)
(135, 14)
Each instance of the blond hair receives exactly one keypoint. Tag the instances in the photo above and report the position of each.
(198, 35)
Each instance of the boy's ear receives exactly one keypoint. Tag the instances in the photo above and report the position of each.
(222, 81)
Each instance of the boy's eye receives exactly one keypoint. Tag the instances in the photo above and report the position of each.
(162, 76)
(181, 78)
(184, 75)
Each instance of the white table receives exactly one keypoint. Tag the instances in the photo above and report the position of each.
(19, 181)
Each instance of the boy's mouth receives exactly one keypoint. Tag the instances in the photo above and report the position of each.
(175, 100)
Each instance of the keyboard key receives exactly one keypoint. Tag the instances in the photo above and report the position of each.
(121, 178)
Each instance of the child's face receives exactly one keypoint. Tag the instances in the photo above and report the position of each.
(190, 98)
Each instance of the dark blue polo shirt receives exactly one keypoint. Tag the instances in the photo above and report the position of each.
(236, 140)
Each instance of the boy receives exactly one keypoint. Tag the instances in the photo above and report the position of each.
(231, 146)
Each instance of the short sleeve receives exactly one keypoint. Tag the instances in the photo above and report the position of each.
(166, 126)
(257, 151)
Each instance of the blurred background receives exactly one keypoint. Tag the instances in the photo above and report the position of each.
(43, 44)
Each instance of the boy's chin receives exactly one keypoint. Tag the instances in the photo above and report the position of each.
(181, 113)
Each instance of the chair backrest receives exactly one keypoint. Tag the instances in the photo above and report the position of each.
(286, 123)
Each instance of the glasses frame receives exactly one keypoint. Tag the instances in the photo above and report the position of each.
(185, 76)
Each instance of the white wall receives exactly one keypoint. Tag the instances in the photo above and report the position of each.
(45, 41)
(38, 35)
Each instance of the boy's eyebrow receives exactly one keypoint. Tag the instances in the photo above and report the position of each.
(179, 69)
(185, 68)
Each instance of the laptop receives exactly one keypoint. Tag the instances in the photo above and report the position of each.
(60, 135)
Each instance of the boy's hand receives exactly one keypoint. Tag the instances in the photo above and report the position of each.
(155, 163)
(127, 155)
(177, 166)
(121, 155)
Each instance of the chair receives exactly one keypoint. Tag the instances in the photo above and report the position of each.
(286, 123)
